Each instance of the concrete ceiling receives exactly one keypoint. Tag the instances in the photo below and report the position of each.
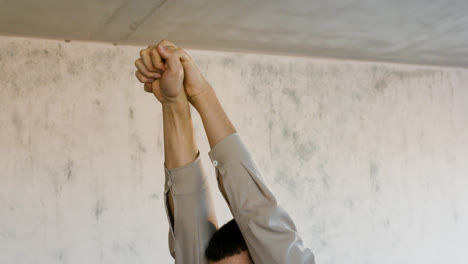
(405, 31)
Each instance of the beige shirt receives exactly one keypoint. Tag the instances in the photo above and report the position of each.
(268, 230)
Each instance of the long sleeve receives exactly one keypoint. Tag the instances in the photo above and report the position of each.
(194, 220)
(268, 230)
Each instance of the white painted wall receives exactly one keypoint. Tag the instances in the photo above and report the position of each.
(371, 160)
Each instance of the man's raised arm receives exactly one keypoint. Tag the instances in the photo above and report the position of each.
(269, 232)
(188, 203)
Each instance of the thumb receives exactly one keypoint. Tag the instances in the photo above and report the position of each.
(170, 57)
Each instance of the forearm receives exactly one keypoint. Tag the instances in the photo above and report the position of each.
(215, 121)
(180, 147)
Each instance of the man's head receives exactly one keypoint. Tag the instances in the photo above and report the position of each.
(227, 246)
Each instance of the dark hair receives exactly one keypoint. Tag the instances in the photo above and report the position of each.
(226, 242)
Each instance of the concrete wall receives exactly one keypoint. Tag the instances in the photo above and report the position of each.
(371, 160)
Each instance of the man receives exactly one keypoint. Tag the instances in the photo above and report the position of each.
(261, 231)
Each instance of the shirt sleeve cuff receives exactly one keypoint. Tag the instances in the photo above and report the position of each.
(231, 149)
(186, 179)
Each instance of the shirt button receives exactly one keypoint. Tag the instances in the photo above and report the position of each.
(215, 163)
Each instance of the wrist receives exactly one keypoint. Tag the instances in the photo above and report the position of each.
(203, 98)
(175, 103)
(176, 108)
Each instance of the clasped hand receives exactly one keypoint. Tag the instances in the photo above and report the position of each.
(169, 73)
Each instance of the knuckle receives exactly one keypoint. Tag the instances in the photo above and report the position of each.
(143, 52)
(138, 76)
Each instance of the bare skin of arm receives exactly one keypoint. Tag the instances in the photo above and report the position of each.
(215, 120)
(180, 147)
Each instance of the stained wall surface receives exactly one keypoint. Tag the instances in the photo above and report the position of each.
(370, 159)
